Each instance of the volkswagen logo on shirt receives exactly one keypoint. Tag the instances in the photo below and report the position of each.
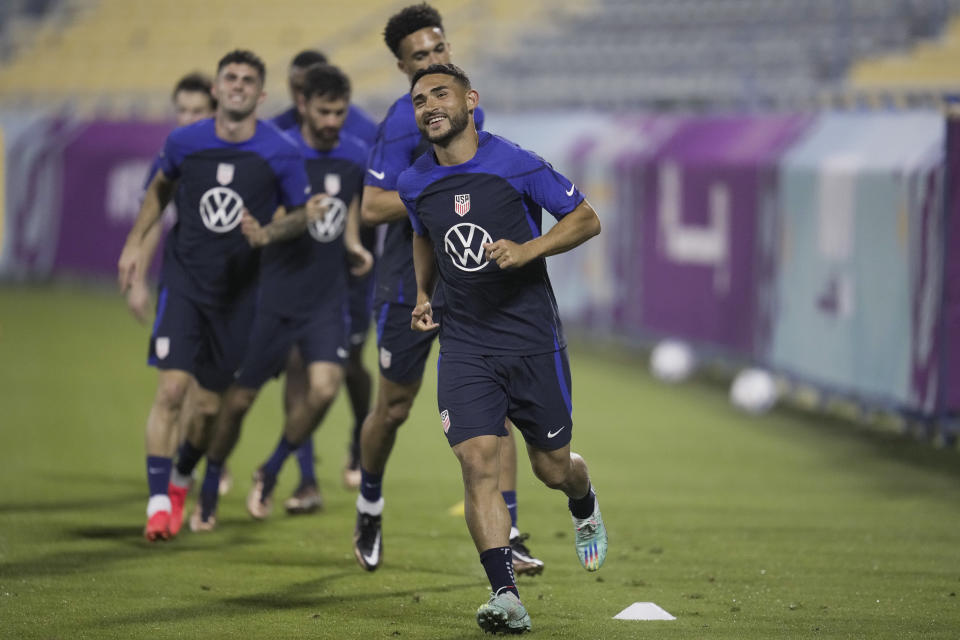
(464, 244)
(221, 209)
(330, 226)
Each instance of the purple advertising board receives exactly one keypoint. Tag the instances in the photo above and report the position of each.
(698, 251)
(104, 167)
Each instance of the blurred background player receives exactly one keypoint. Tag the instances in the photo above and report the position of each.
(356, 375)
(502, 348)
(216, 169)
(303, 294)
(416, 38)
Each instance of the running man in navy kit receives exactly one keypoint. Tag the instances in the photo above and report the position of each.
(356, 377)
(475, 204)
(415, 36)
(303, 294)
(219, 169)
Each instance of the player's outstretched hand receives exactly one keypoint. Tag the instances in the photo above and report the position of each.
(317, 207)
(138, 301)
(127, 266)
(252, 231)
(422, 318)
(361, 261)
(507, 254)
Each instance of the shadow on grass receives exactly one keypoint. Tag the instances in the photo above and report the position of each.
(295, 596)
(85, 503)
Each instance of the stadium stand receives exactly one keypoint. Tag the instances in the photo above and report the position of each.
(119, 57)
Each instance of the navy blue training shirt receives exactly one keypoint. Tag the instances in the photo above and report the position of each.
(300, 275)
(499, 193)
(399, 143)
(358, 123)
(206, 257)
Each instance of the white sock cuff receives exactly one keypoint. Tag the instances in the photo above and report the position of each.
(369, 508)
(514, 533)
(159, 502)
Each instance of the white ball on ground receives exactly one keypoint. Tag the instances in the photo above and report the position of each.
(753, 391)
(672, 361)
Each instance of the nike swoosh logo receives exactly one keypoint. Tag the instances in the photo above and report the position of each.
(570, 192)
(551, 434)
(377, 174)
(155, 470)
(374, 556)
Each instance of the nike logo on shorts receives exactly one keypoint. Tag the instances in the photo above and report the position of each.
(379, 175)
(551, 434)
(570, 192)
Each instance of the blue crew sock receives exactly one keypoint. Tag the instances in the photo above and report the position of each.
(210, 489)
(371, 485)
(510, 497)
(187, 458)
(498, 563)
(305, 459)
(582, 507)
(158, 474)
(275, 462)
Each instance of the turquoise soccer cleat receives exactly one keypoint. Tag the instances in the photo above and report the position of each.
(503, 613)
(591, 539)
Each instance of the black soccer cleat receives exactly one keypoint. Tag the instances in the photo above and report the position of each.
(367, 541)
(524, 564)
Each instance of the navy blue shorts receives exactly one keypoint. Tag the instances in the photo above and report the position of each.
(476, 393)
(403, 351)
(361, 307)
(207, 341)
(321, 337)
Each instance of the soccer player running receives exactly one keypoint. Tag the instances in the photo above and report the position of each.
(415, 36)
(216, 169)
(306, 497)
(303, 293)
(475, 205)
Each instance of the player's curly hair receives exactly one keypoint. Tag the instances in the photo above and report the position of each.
(447, 70)
(326, 80)
(195, 82)
(408, 20)
(244, 56)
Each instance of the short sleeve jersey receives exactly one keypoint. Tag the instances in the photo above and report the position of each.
(499, 193)
(399, 143)
(303, 274)
(206, 257)
(358, 123)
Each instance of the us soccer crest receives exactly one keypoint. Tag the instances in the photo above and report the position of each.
(225, 173)
(461, 203)
(331, 184)
(162, 347)
(445, 420)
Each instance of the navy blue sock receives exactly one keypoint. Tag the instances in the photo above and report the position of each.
(187, 458)
(582, 507)
(510, 497)
(371, 485)
(498, 563)
(273, 464)
(305, 460)
(210, 489)
(158, 474)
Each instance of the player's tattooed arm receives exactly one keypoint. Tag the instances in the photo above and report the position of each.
(136, 254)
(572, 230)
(359, 258)
(425, 266)
(282, 227)
(380, 205)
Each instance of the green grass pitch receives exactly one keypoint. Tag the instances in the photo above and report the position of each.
(784, 526)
